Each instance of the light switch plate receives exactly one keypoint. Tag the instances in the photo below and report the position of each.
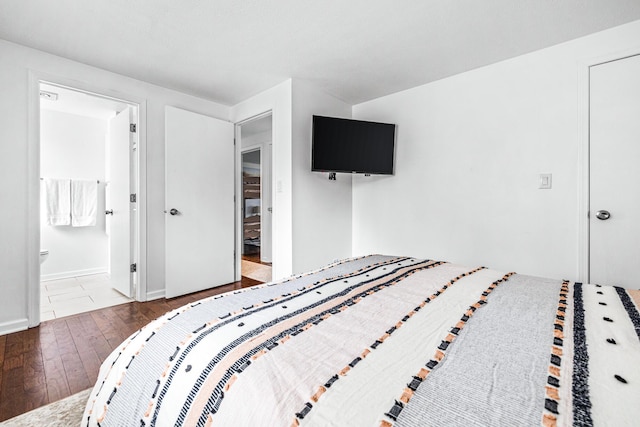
(545, 181)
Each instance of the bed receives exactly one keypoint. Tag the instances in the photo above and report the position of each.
(383, 341)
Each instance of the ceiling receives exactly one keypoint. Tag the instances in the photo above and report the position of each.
(79, 103)
(356, 50)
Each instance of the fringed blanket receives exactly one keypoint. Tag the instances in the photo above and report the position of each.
(383, 341)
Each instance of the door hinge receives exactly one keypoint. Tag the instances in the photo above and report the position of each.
(132, 198)
(234, 141)
(132, 127)
(133, 268)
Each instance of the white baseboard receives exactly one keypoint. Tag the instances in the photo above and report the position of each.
(69, 274)
(13, 326)
(155, 295)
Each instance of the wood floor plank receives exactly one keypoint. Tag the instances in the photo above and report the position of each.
(63, 356)
(64, 338)
(35, 398)
(31, 340)
(91, 363)
(56, 379)
(14, 346)
(11, 396)
(33, 371)
(74, 371)
(3, 342)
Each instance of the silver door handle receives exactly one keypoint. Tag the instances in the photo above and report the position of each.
(603, 215)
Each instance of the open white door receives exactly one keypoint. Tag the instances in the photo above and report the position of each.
(118, 190)
(199, 219)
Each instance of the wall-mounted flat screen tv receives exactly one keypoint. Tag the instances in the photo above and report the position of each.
(352, 146)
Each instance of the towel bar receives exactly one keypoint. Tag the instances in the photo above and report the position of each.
(98, 181)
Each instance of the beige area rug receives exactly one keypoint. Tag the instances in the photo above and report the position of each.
(63, 413)
(256, 271)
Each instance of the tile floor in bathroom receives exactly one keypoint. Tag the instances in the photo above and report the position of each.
(65, 297)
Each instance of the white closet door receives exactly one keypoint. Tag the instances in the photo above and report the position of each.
(614, 157)
(199, 218)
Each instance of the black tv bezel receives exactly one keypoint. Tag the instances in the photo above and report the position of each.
(393, 157)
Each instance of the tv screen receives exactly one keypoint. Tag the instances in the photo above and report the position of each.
(353, 146)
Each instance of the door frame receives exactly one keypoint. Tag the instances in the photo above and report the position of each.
(33, 189)
(584, 90)
(238, 187)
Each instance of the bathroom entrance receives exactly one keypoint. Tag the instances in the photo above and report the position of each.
(88, 199)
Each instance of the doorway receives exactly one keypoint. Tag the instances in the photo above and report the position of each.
(255, 226)
(88, 219)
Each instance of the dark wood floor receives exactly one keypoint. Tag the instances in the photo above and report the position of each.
(61, 357)
(254, 258)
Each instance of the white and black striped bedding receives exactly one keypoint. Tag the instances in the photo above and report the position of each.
(383, 341)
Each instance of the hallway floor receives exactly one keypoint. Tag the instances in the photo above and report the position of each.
(65, 297)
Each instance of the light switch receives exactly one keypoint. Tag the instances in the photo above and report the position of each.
(545, 181)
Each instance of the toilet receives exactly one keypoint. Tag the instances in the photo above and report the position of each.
(43, 255)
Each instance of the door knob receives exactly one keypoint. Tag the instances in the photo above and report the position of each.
(109, 212)
(603, 215)
(174, 211)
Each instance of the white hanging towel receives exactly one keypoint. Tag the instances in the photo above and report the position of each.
(58, 201)
(84, 203)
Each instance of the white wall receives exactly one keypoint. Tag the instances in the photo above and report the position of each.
(73, 146)
(469, 151)
(321, 208)
(19, 183)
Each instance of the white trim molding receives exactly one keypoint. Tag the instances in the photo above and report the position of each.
(14, 326)
(75, 273)
(33, 200)
(155, 295)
